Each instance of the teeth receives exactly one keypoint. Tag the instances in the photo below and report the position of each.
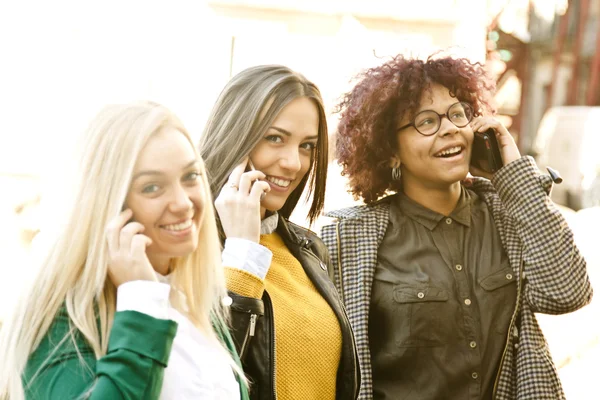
(178, 227)
(279, 182)
(451, 150)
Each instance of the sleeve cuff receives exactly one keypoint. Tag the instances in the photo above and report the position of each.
(244, 283)
(146, 297)
(142, 334)
(248, 256)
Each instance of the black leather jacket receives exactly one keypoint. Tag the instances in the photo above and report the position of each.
(252, 325)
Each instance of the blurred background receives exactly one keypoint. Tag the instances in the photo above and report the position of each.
(63, 60)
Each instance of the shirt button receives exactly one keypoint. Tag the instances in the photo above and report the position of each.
(474, 375)
(509, 276)
(323, 267)
(420, 295)
(473, 344)
(468, 302)
(458, 267)
(448, 221)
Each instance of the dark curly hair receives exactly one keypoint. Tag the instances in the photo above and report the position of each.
(366, 139)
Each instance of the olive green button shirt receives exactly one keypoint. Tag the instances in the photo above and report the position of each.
(442, 300)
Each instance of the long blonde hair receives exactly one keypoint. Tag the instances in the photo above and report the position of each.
(73, 273)
(241, 116)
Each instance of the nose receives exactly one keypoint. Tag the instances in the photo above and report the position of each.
(446, 126)
(180, 200)
(290, 160)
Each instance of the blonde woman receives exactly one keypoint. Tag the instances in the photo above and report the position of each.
(127, 304)
(264, 144)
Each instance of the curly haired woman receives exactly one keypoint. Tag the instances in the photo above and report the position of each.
(441, 275)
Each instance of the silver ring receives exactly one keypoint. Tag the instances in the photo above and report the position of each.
(233, 186)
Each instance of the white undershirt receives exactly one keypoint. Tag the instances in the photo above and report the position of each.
(250, 256)
(197, 368)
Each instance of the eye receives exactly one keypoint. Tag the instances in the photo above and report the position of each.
(458, 115)
(192, 176)
(308, 146)
(152, 188)
(274, 138)
(426, 121)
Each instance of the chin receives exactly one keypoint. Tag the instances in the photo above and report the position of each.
(182, 250)
(456, 175)
(272, 206)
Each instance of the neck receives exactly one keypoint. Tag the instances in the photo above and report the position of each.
(441, 199)
(160, 264)
(263, 213)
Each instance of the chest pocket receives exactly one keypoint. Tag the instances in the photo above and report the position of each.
(423, 316)
(499, 298)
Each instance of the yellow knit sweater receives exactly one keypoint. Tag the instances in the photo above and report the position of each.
(308, 339)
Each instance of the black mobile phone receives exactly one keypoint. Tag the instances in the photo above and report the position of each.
(485, 153)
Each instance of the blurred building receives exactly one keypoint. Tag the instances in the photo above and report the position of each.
(331, 40)
(562, 59)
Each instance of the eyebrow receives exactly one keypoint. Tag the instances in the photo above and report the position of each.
(288, 133)
(154, 172)
(431, 109)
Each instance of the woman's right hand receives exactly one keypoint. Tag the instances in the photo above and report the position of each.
(238, 203)
(127, 259)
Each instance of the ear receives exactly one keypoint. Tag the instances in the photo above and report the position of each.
(395, 162)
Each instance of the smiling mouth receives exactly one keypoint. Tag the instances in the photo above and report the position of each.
(279, 182)
(450, 152)
(182, 226)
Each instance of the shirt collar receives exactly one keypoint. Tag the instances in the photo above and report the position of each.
(269, 224)
(462, 211)
(163, 278)
(429, 218)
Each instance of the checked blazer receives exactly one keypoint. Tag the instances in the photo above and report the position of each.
(551, 273)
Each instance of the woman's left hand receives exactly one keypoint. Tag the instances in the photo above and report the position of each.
(508, 148)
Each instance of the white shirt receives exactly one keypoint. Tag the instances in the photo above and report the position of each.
(197, 368)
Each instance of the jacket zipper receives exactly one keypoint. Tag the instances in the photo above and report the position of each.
(252, 324)
(272, 327)
(339, 259)
(249, 336)
(510, 328)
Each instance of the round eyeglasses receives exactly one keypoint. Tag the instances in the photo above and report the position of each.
(428, 122)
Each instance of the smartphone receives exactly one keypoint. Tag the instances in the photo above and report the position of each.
(250, 167)
(485, 153)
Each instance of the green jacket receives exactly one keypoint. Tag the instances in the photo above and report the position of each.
(133, 367)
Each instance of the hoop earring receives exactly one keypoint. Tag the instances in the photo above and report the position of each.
(396, 173)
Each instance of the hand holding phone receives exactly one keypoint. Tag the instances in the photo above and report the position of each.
(485, 153)
(127, 259)
(493, 146)
(239, 202)
(251, 168)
